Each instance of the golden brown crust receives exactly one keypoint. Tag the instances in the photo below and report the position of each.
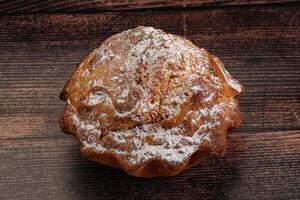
(150, 103)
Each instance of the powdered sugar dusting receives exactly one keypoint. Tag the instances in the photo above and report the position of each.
(95, 98)
(166, 144)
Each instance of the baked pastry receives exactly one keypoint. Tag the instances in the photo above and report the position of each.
(150, 103)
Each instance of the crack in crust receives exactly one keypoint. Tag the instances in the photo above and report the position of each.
(150, 103)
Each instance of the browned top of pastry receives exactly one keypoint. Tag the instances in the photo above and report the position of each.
(147, 96)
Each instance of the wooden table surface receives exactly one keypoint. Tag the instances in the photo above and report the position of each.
(42, 41)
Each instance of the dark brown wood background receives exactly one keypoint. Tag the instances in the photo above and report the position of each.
(42, 41)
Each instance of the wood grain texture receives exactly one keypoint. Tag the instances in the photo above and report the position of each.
(260, 46)
(255, 167)
(71, 6)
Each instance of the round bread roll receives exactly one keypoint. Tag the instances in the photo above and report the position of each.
(150, 103)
